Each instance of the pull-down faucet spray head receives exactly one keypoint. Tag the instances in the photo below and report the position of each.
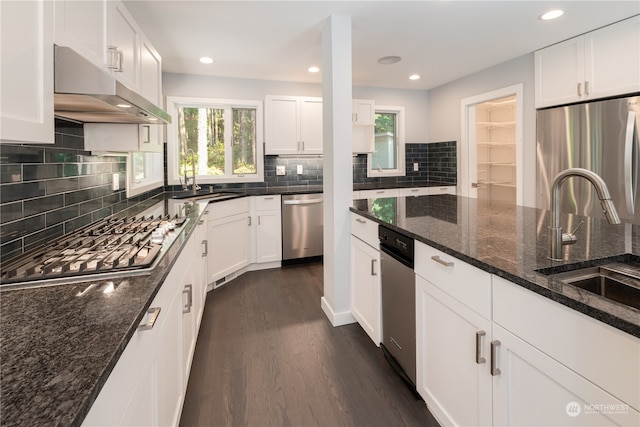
(556, 237)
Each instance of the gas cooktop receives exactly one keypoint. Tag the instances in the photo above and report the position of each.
(107, 246)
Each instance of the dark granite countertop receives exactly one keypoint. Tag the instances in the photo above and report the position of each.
(511, 242)
(59, 345)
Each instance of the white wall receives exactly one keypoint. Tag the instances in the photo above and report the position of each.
(414, 101)
(444, 109)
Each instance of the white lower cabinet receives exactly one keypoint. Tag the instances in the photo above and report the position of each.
(268, 219)
(531, 388)
(453, 352)
(490, 352)
(229, 235)
(148, 384)
(365, 288)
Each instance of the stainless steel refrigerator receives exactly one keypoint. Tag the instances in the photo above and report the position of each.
(601, 136)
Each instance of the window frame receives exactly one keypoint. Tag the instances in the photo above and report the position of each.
(174, 178)
(400, 145)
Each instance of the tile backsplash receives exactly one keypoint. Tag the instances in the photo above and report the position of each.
(47, 191)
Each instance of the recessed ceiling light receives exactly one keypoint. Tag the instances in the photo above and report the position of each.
(414, 77)
(206, 60)
(314, 69)
(388, 60)
(552, 14)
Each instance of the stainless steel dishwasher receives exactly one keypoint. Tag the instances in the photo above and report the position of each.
(302, 222)
(398, 303)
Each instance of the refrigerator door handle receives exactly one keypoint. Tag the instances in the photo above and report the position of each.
(631, 162)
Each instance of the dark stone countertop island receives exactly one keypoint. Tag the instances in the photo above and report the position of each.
(511, 242)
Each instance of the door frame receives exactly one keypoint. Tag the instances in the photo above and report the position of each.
(468, 122)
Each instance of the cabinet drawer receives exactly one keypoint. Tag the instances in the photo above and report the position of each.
(267, 203)
(365, 229)
(602, 354)
(227, 208)
(373, 194)
(466, 283)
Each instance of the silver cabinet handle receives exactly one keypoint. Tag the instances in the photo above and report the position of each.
(586, 88)
(302, 145)
(494, 356)
(268, 198)
(374, 269)
(201, 222)
(205, 245)
(479, 359)
(380, 192)
(206, 212)
(249, 218)
(631, 162)
(188, 289)
(437, 259)
(361, 221)
(154, 312)
(259, 219)
(580, 89)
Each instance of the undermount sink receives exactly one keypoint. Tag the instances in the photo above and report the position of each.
(618, 282)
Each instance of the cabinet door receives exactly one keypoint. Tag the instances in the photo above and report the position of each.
(453, 357)
(189, 331)
(612, 59)
(124, 37)
(531, 388)
(365, 288)
(282, 125)
(311, 125)
(26, 58)
(559, 69)
(200, 280)
(151, 89)
(169, 380)
(228, 245)
(82, 26)
(268, 236)
(364, 112)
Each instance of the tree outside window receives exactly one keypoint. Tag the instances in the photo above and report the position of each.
(221, 141)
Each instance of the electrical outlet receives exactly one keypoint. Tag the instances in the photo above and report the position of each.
(280, 170)
(299, 169)
(415, 167)
(115, 184)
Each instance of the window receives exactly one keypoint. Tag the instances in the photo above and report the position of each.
(144, 172)
(388, 157)
(218, 140)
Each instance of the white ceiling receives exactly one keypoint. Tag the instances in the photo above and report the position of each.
(442, 40)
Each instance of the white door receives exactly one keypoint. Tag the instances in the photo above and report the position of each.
(453, 361)
(124, 36)
(268, 236)
(491, 149)
(228, 245)
(365, 288)
(282, 125)
(531, 388)
(311, 125)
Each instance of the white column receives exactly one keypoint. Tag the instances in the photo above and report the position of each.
(338, 166)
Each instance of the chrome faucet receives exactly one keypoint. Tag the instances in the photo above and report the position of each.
(195, 186)
(556, 237)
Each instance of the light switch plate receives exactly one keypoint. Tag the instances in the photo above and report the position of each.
(280, 170)
(299, 169)
(415, 167)
(115, 184)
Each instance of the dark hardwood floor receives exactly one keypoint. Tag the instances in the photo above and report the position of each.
(267, 356)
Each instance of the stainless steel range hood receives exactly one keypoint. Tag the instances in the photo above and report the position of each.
(85, 93)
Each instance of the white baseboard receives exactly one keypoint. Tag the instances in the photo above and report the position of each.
(336, 319)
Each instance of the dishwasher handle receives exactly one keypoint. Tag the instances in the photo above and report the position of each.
(302, 202)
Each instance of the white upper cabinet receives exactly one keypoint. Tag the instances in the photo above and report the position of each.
(151, 89)
(602, 63)
(26, 58)
(123, 46)
(364, 112)
(82, 26)
(293, 125)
